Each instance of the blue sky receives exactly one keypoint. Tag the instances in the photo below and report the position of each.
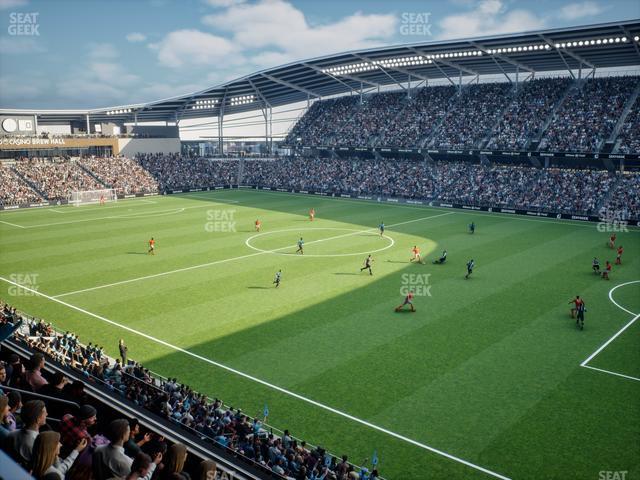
(91, 53)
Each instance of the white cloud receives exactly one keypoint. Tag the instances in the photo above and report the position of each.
(134, 37)
(573, 11)
(19, 45)
(4, 4)
(489, 17)
(223, 3)
(278, 25)
(102, 50)
(193, 47)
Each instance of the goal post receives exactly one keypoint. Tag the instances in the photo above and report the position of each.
(85, 197)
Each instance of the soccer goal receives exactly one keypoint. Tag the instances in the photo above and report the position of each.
(84, 197)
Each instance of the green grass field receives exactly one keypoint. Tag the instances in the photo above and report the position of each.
(487, 371)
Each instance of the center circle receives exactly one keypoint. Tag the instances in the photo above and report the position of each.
(278, 252)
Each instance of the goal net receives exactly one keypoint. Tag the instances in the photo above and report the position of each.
(83, 197)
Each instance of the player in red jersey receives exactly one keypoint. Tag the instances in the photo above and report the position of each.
(619, 256)
(607, 270)
(577, 302)
(102, 200)
(152, 246)
(312, 214)
(612, 241)
(416, 254)
(258, 225)
(408, 300)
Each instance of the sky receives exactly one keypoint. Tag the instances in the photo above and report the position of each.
(90, 53)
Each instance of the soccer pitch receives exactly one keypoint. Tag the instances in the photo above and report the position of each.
(484, 380)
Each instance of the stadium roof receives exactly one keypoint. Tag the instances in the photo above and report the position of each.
(588, 47)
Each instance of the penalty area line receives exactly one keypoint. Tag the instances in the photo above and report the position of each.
(263, 382)
(614, 336)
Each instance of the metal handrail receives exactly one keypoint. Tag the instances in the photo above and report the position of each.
(40, 395)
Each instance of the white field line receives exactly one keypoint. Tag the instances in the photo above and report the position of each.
(616, 335)
(53, 206)
(12, 224)
(505, 216)
(264, 383)
(611, 373)
(225, 260)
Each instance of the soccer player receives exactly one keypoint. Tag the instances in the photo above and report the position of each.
(408, 300)
(576, 304)
(595, 265)
(580, 318)
(258, 225)
(367, 264)
(381, 228)
(619, 256)
(472, 227)
(416, 254)
(442, 259)
(470, 265)
(607, 270)
(300, 246)
(612, 240)
(276, 280)
(152, 246)
(102, 200)
(312, 214)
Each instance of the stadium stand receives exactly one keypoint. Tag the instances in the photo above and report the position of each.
(588, 115)
(419, 118)
(111, 452)
(175, 171)
(629, 135)
(13, 190)
(564, 190)
(121, 173)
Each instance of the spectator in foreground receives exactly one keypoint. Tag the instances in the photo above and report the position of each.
(110, 460)
(74, 428)
(140, 466)
(207, 470)
(34, 375)
(20, 442)
(174, 463)
(45, 459)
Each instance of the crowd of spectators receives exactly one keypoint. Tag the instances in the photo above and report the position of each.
(624, 201)
(471, 118)
(507, 119)
(419, 118)
(552, 189)
(174, 171)
(13, 190)
(56, 178)
(588, 115)
(326, 120)
(121, 173)
(629, 135)
(370, 119)
(527, 114)
(209, 419)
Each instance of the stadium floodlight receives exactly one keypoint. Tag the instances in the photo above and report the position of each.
(636, 38)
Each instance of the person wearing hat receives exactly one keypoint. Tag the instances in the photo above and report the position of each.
(75, 428)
